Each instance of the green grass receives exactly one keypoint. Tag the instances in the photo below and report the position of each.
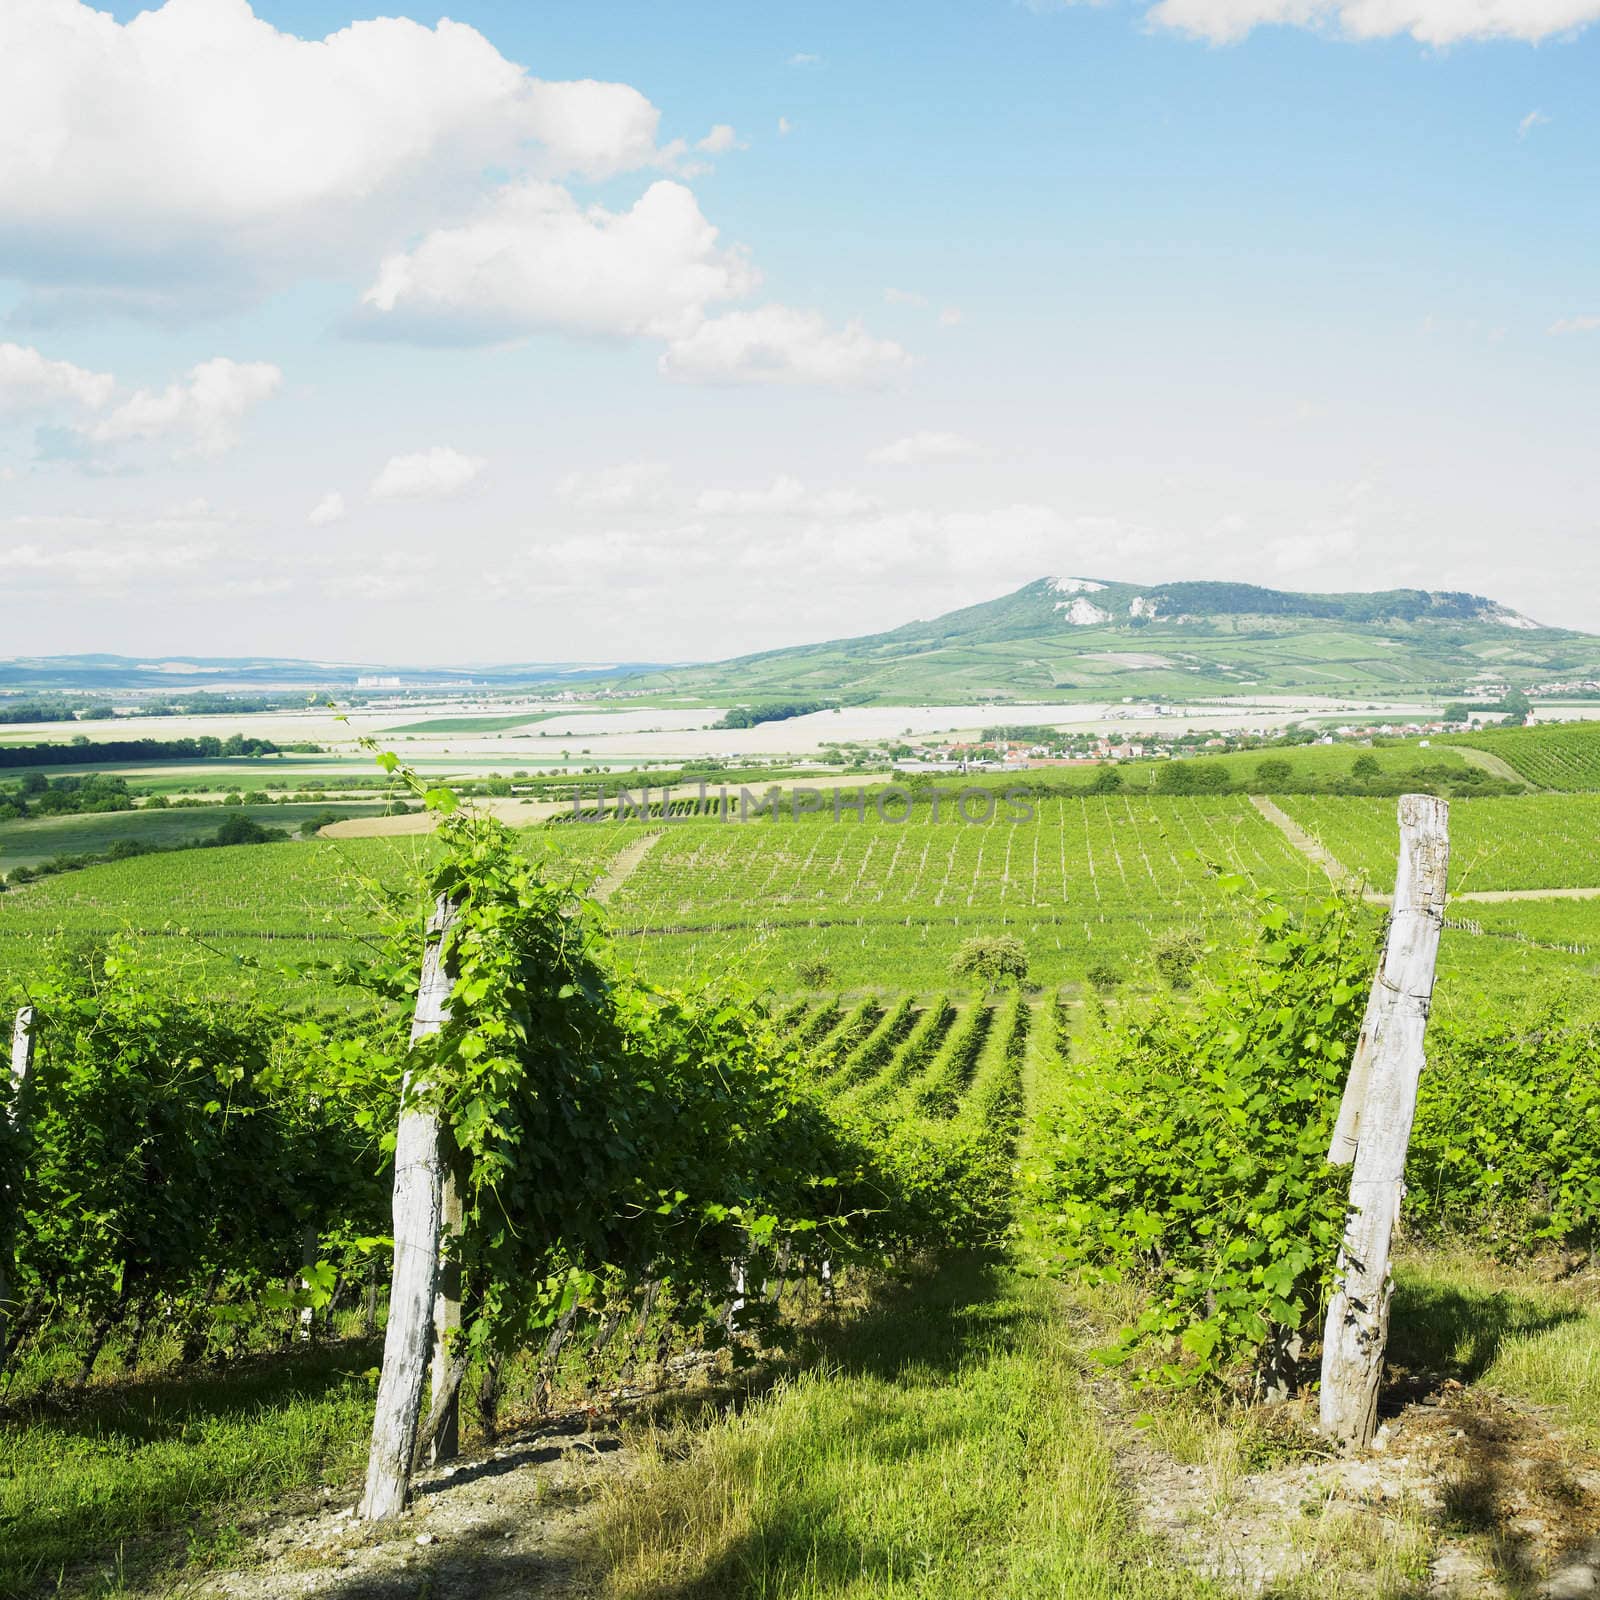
(946, 1445)
(35, 839)
(494, 724)
(1307, 763)
(177, 1451)
(1480, 1323)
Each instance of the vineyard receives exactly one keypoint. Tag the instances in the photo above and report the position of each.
(745, 1120)
(1565, 757)
(1521, 842)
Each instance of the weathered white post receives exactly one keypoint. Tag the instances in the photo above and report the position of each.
(21, 1062)
(447, 1323)
(1397, 1018)
(419, 1173)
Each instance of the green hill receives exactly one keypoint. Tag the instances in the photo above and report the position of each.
(1089, 639)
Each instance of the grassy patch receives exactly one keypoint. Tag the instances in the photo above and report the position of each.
(79, 1475)
(946, 1445)
(1480, 1323)
(496, 724)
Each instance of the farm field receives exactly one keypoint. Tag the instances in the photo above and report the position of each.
(27, 842)
(850, 926)
(1305, 762)
(1564, 757)
(1087, 882)
(1515, 842)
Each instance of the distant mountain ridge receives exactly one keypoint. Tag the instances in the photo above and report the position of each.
(1084, 637)
(1096, 602)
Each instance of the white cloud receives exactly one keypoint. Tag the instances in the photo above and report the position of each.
(1435, 22)
(534, 259)
(779, 344)
(805, 58)
(1534, 119)
(32, 383)
(1576, 325)
(201, 414)
(785, 126)
(196, 156)
(329, 509)
(110, 553)
(634, 486)
(426, 475)
(785, 496)
(720, 141)
(923, 449)
(950, 317)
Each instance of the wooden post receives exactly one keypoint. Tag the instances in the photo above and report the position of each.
(446, 1443)
(21, 1062)
(1358, 1314)
(419, 1172)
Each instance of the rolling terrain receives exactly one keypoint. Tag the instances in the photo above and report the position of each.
(1068, 638)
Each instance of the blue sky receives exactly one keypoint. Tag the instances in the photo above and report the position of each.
(642, 332)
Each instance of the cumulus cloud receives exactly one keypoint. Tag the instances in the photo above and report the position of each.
(201, 414)
(426, 475)
(1534, 119)
(329, 509)
(535, 259)
(634, 486)
(780, 345)
(1576, 325)
(923, 449)
(720, 141)
(31, 383)
(950, 317)
(785, 126)
(784, 496)
(224, 157)
(1434, 22)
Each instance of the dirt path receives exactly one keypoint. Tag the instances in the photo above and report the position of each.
(1299, 838)
(623, 866)
(509, 1524)
(1492, 764)
(1492, 896)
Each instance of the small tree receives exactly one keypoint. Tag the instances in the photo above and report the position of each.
(991, 960)
(1102, 977)
(1274, 773)
(1177, 954)
(815, 973)
(1365, 768)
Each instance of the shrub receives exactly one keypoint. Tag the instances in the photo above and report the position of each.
(1191, 1152)
(991, 960)
(816, 973)
(1176, 954)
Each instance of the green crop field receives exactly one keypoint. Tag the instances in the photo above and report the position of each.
(1518, 842)
(1566, 756)
(35, 839)
(1307, 763)
(495, 724)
